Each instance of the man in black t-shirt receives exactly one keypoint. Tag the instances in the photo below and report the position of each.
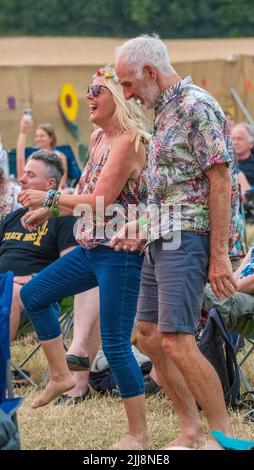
(27, 253)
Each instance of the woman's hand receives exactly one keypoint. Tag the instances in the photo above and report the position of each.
(130, 237)
(25, 125)
(31, 198)
(32, 219)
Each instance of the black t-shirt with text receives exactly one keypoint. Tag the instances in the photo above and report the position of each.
(23, 252)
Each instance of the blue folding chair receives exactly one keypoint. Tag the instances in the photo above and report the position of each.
(74, 171)
(9, 435)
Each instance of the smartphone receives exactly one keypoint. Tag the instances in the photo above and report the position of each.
(27, 115)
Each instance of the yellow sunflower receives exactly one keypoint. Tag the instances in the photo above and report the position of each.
(69, 101)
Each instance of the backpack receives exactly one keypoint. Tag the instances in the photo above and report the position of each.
(215, 345)
(102, 381)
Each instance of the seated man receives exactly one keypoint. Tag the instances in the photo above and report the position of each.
(237, 312)
(27, 253)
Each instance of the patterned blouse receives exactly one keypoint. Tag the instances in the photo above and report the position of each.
(190, 136)
(98, 229)
(248, 269)
(8, 197)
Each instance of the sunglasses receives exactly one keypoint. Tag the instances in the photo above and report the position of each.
(95, 89)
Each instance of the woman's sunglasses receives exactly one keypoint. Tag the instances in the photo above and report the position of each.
(95, 89)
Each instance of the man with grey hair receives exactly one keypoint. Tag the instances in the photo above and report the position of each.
(242, 136)
(188, 168)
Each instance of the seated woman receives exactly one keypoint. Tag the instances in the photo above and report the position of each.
(111, 186)
(237, 311)
(45, 139)
(9, 190)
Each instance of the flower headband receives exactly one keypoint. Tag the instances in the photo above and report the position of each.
(106, 72)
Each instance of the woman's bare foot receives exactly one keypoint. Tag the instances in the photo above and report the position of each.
(52, 390)
(190, 441)
(211, 445)
(130, 442)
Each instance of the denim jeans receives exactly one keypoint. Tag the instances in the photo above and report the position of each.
(118, 276)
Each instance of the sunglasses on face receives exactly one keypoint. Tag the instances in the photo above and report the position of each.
(95, 90)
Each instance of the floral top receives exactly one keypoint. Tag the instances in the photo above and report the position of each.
(98, 229)
(8, 197)
(248, 269)
(190, 135)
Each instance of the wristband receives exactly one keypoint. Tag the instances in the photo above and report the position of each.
(54, 212)
(142, 221)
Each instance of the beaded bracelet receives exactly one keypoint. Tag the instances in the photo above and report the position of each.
(56, 198)
(49, 198)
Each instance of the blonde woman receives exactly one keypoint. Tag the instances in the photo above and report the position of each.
(114, 174)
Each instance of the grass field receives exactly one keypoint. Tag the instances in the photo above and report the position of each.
(99, 422)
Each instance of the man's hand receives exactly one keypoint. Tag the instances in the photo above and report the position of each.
(32, 219)
(221, 276)
(31, 198)
(130, 238)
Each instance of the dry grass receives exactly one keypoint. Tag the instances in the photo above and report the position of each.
(96, 423)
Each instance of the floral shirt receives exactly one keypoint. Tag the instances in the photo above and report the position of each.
(99, 228)
(190, 136)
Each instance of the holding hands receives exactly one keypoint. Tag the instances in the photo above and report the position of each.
(130, 238)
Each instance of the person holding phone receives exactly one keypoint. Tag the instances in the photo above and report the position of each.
(45, 139)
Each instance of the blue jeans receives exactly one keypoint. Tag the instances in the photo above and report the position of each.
(118, 276)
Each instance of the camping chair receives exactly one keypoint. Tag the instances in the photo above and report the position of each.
(66, 322)
(74, 171)
(249, 343)
(9, 435)
(237, 315)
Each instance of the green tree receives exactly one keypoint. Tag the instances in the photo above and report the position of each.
(126, 18)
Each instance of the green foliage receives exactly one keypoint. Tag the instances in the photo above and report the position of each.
(123, 18)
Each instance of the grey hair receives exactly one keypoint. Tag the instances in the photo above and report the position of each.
(248, 127)
(53, 164)
(144, 50)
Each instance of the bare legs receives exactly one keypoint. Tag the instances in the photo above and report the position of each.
(85, 342)
(61, 379)
(187, 377)
(137, 437)
(86, 335)
(16, 309)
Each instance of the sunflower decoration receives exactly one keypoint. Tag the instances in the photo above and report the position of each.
(68, 104)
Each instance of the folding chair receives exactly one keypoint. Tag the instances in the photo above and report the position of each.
(249, 343)
(9, 435)
(66, 322)
(74, 171)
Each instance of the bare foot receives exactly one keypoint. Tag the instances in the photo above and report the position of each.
(211, 445)
(129, 442)
(192, 442)
(52, 390)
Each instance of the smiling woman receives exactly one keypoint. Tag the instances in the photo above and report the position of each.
(114, 174)
(45, 139)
